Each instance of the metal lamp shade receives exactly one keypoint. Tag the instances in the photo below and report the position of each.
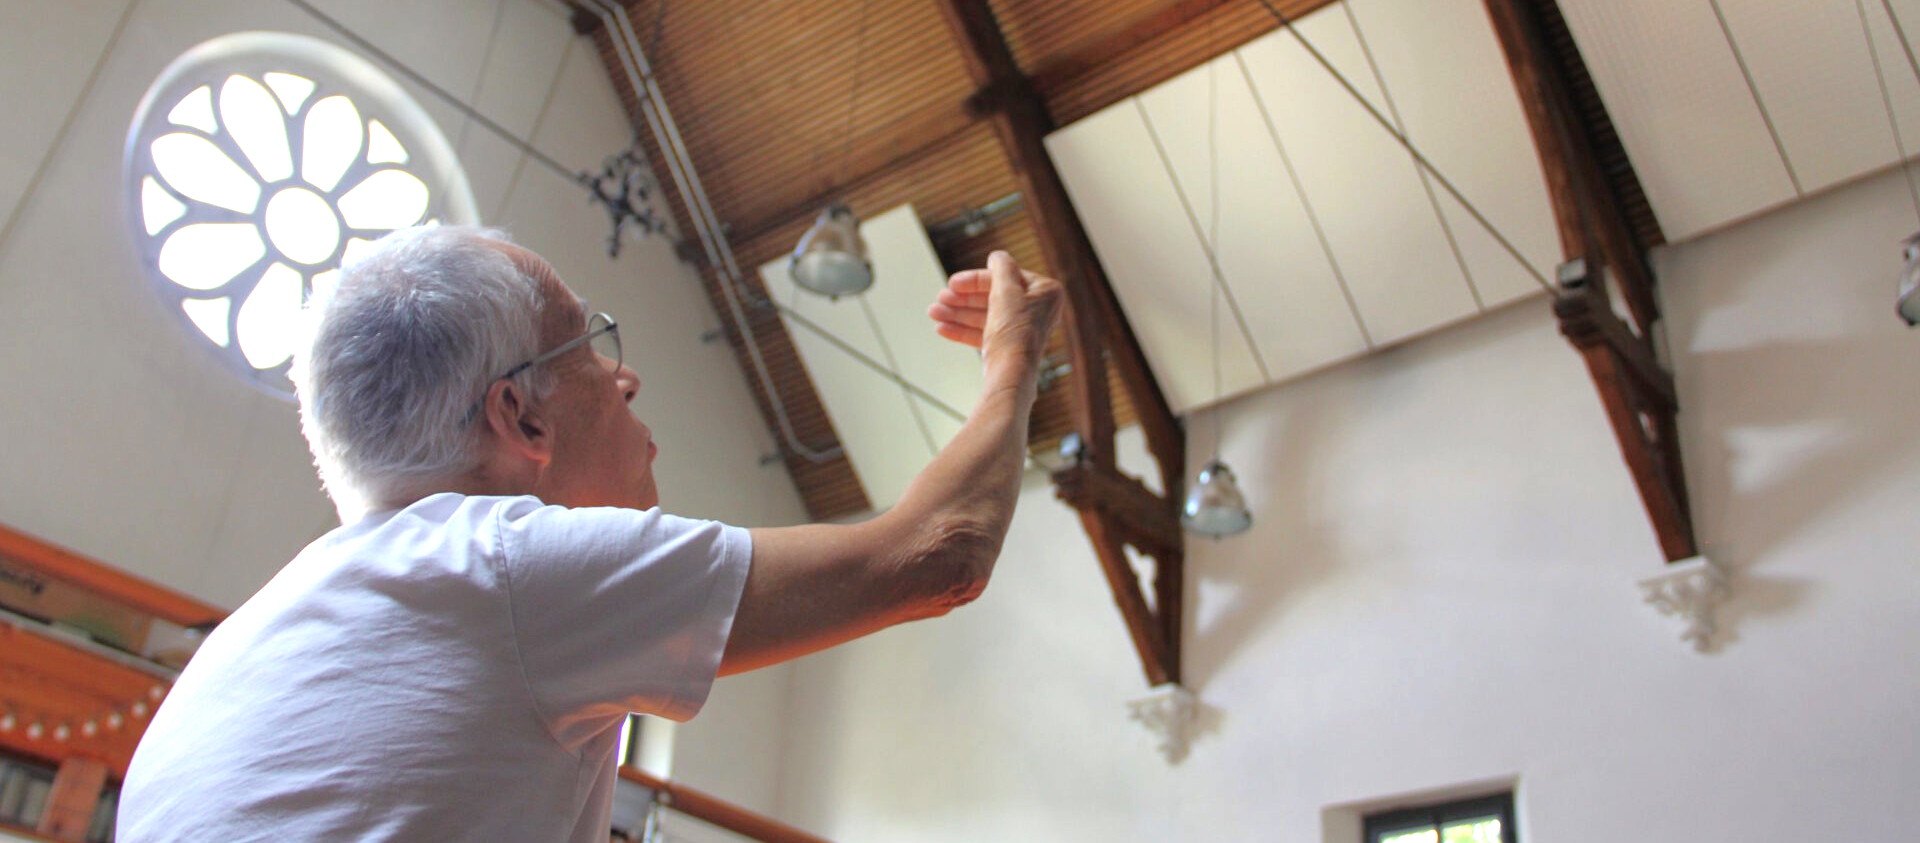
(1215, 507)
(831, 259)
(1908, 304)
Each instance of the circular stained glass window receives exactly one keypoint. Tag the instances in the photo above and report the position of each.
(257, 164)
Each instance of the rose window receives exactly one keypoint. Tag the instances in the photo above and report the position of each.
(259, 163)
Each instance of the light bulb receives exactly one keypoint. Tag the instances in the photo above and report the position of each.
(1215, 507)
(831, 259)
(1908, 304)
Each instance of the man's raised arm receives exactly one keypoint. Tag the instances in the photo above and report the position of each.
(815, 586)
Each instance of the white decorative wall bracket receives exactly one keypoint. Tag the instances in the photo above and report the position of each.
(1170, 712)
(1691, 590)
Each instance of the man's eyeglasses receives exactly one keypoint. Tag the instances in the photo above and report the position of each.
(602, 332)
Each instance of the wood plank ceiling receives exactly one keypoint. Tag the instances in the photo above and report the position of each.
(785, 106)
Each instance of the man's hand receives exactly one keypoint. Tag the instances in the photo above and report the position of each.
(815, 586)
(1001, 310)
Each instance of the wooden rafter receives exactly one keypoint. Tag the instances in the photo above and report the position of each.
(1115, 510)
(1603, 253)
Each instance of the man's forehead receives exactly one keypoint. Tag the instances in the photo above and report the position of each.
(562, 303)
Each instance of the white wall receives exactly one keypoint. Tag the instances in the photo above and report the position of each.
(130, 443)
(1439, 589)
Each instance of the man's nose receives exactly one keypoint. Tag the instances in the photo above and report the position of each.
(629, 382)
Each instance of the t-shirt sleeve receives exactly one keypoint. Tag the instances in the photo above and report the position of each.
(618, 610)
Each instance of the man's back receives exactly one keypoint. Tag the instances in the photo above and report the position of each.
(380, 687)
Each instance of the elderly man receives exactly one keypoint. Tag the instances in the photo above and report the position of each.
(454, 662)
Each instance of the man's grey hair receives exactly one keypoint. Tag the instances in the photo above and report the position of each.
(402, 350)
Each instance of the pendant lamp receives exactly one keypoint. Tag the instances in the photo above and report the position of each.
(1215, 507)
(831, 259)
(1908, 305)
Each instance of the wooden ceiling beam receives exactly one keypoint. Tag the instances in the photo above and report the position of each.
(1636, 390)
(1114, 509)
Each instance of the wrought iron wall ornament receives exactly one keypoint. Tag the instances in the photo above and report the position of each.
(624, 187)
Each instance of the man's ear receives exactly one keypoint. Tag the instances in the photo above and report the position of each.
(517, 423)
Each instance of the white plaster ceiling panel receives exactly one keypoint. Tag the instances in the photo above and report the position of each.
(1812, 70)
(1283, 280)
(889, 433)
(1442, 66)
(1365, 189)
(50, 50)
(1159, 270)
(1683, 109)
(871, 415)
(907, 274)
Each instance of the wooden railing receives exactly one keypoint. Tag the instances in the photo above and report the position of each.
(712, 809)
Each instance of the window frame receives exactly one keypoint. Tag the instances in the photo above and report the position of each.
(333, 69)
(1438, 815)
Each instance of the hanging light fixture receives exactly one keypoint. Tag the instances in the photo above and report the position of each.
(1907, 304)
(1215, 507)
(831, 259)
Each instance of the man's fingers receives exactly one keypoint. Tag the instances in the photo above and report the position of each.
(969, 317)
(959, 333)
(1006, 274)
(968, 281)
(959, 300)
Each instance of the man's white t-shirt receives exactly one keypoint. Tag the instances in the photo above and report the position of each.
(456, 670)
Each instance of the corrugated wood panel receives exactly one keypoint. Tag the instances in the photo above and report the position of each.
(778, 101)
(1153, 44)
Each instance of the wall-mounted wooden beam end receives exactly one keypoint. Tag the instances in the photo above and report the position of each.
(1117, 511)
(1636, 390)
(1638, 397)
(1144, 519)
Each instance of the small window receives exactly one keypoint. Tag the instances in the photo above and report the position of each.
(1488, 819)
(24, 786)
(258, 163)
